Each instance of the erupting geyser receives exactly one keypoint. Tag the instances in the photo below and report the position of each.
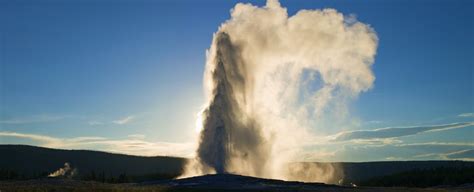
(260, 112)
(230, 133)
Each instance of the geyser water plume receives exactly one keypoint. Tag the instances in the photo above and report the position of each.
(260, 69)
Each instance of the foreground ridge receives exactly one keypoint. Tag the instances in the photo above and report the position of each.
(232, 181)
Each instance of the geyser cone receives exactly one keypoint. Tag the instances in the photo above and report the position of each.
(229, 136)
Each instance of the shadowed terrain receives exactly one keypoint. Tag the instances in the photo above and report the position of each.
(26, 168)
(219, 182)
(29, 162)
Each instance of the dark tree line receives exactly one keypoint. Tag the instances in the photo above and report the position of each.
(10, 174)
(99, 176)
(441, 176)
(104, 178)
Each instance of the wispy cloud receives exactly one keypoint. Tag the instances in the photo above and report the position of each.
(386, 144)
(39, 138)
(393, 158)
(394, 132)
(466, 155)
(32, 119)
(437, 144)
(136, 136)
(120, 121)
(95, 123)
(466, 115)
(132, 146)
(124, 120)
(374, 122)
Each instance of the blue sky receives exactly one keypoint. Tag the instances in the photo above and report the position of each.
(93, 74)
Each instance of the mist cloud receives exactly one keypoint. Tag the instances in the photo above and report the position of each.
(66, 171)
(260, 108)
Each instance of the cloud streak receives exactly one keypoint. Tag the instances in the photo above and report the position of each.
(124, 120)
(467, 154)
(466, 115)
(131, 146)
(394, 132)
(437, 144)
(33, 119)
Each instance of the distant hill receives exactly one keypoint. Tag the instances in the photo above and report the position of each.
(27, 162)
(357, 172)
(347, 173)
